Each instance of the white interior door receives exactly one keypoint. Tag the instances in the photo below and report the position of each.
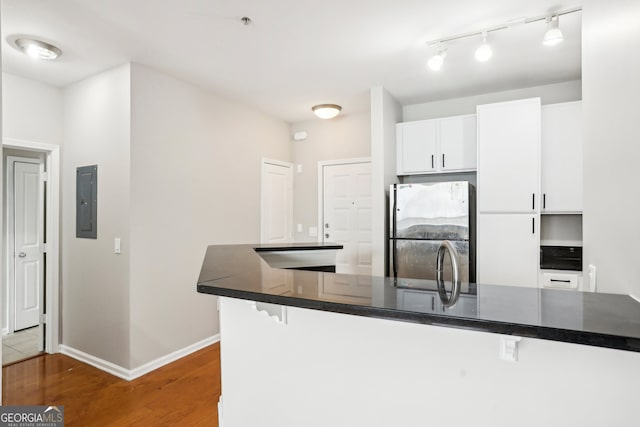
(277, 202)
(347, 215)
(28, 236)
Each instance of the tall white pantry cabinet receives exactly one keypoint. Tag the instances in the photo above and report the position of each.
(509, 201)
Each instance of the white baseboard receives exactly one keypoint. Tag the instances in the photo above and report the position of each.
(172, 357)
(96, 362)
(132, 374)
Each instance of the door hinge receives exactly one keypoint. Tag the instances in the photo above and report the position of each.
(43, 318)
(44, 248)
(45, 176)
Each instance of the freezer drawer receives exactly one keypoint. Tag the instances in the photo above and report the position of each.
(416, 259)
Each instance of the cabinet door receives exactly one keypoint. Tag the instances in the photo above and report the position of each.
(508, 156)
(508, 249)
(458, 143)
(417, 147)
(561, 163)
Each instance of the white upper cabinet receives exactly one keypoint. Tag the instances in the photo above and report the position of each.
(416, 145)
(458, 143)
(508, 156)
(562, 158)
(437, 145)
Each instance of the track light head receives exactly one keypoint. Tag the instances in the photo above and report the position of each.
(484, 52)
(437, 60)
(553, 36)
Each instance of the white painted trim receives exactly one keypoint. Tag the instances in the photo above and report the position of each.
(9, 284)
(263, 163)
(634, 297)
(96, 362)
(132, 374)
(52, 202)
(172, 357)
(321, 165)
(5, 331)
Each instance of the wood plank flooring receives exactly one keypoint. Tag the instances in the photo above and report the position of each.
(183, 393)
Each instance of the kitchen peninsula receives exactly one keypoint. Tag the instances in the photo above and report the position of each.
(316, 348)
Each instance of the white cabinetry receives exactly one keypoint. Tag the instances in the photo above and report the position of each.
(417, 147)
(437, 145)
(508, 156)
(508, 249)
(562, 158)
(508, 199)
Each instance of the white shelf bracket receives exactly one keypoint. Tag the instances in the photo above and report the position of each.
(509, 348)
(278, 313)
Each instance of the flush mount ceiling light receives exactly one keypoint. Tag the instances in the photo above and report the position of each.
(436, 61)
(326, 111)
(484, 52)
(553, 36)
(37, 49)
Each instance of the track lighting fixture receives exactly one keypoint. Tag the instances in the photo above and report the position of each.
(436, 61)
(484, 52)
(553, 36)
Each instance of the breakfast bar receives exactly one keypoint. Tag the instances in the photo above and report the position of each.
(315, 348)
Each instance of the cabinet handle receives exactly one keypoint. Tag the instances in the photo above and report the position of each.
(533, 201)
(562, 281)
(432, 164)
(443, 160)
(533, 226)
(544, 200)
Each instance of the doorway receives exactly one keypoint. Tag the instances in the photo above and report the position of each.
(30, 291)
(344, 212)
(276, 217)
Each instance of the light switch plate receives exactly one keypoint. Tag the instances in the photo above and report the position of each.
(116, 245)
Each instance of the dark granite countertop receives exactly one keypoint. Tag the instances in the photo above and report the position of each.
(596, 319)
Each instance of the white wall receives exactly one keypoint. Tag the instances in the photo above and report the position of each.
(549, 94)
(95, 281)
(611, 85)
(340, 138)
(385, 113)
(328, 369)
(195, 181)
(32, 110)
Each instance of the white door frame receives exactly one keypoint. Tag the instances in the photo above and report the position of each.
(10, 284)
(321, 166)
(263, 163)
(52, 221)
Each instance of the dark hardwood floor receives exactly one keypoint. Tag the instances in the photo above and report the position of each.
(183, 393)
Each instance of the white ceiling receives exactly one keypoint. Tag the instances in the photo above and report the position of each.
(298, 53)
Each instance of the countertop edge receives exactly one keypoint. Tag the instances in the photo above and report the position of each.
(593, 339)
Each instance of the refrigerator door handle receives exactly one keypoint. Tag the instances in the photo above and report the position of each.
(394, 249)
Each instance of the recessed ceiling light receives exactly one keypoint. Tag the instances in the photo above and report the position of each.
(326, 111)
(37, 49)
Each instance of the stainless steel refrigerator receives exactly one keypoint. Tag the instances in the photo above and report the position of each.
(421, 217)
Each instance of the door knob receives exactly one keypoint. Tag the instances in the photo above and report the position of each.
(326, 225)
(22, 254)
(326, 235)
